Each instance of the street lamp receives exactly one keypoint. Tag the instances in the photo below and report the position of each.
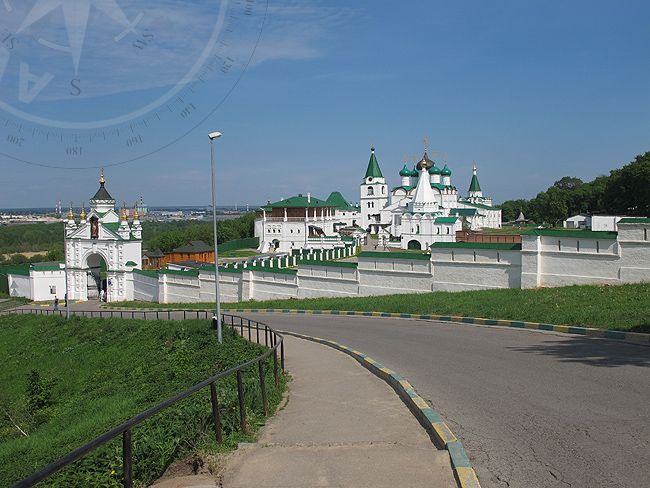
(212, 137)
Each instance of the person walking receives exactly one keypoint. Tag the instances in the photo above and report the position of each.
(56, 302)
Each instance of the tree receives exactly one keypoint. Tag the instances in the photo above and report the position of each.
(628, 189)
(54, 255)
(18, 259)
(568, 183)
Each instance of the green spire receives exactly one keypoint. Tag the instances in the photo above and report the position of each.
(373, 167)
(474, 186)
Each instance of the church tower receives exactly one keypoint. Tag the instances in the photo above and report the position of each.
(374, 195)
(474, 187)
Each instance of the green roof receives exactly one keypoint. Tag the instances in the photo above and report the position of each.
(299, 201)
(407, 188)
(336, 200)
(155, 254)
(477, 205)
(504, 246)
(373, 167)
(634, 220)
(445, 171)
(446, 220)
(405, 171)
(394, 255)
(194, 246)
(463, 211)
(131, 263)
(578, 233)
(113, 227)
(474, 186)
(150, 274)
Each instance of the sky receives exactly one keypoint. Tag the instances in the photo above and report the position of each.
(530, 91)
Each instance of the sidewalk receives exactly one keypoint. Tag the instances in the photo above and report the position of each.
(342, 426)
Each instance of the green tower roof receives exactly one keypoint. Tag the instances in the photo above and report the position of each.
(474, 186)
(373, 167)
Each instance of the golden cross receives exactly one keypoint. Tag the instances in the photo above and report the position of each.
(434, 155)
(414, 157)
(405, 157)
(425, 143)
(445, 155)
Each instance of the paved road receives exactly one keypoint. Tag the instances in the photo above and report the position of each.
(532, 408)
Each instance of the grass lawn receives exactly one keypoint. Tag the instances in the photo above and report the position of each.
(62, 383)
(624, 307)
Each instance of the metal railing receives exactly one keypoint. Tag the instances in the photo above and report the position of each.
(272, 339)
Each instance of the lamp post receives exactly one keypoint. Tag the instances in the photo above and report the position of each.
(212, 137)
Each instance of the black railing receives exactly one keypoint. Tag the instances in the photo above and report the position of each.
(273, 340)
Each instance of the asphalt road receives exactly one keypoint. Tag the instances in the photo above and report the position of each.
(532, 408)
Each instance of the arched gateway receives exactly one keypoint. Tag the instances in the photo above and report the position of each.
(101, 249)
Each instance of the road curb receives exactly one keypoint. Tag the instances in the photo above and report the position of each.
(428, 418)
(517, 324)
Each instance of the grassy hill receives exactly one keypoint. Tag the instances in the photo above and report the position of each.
(62, 383)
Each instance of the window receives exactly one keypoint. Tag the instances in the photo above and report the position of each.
(52, 289)
(371, 190)
(383, 190)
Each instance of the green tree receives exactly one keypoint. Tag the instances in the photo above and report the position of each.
(54, 255)
(628, 189)
(568, 183)
(18, 259)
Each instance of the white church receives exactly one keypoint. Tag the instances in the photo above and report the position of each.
(423, 209)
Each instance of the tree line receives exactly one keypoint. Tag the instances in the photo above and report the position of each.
(625, 191)
(167, 236)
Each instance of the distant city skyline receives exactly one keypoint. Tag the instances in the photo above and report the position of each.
(531, 91)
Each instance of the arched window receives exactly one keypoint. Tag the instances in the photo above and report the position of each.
(371, 190)
(383, 190)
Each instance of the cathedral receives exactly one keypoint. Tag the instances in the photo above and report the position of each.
(425, 207)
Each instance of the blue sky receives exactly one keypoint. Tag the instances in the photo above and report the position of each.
(530, 90)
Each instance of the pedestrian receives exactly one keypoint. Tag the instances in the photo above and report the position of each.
(56, 303)
(375, 246)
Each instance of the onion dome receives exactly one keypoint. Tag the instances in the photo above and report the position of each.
(83, 212)
(434, 170)
(415, 172)
(135, 215)
(445, 171)
(425, 162)
(71, 214)
(405, 171)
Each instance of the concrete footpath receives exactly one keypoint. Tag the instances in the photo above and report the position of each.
(342, 426)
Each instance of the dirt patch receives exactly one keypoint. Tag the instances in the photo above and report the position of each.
(201, 464)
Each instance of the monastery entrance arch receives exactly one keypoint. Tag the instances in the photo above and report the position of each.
(414, 245)
(95, 275)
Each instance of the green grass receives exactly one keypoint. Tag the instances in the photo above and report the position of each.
(624, 307)
(66, 382)
(10, 303)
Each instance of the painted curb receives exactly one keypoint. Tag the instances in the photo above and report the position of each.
(517, 324)
(428, 418)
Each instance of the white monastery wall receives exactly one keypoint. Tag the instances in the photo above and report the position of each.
(179, 288)
(22, 286)
(381, 276)
(327, 281)
(460, 269)
(145, 288)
